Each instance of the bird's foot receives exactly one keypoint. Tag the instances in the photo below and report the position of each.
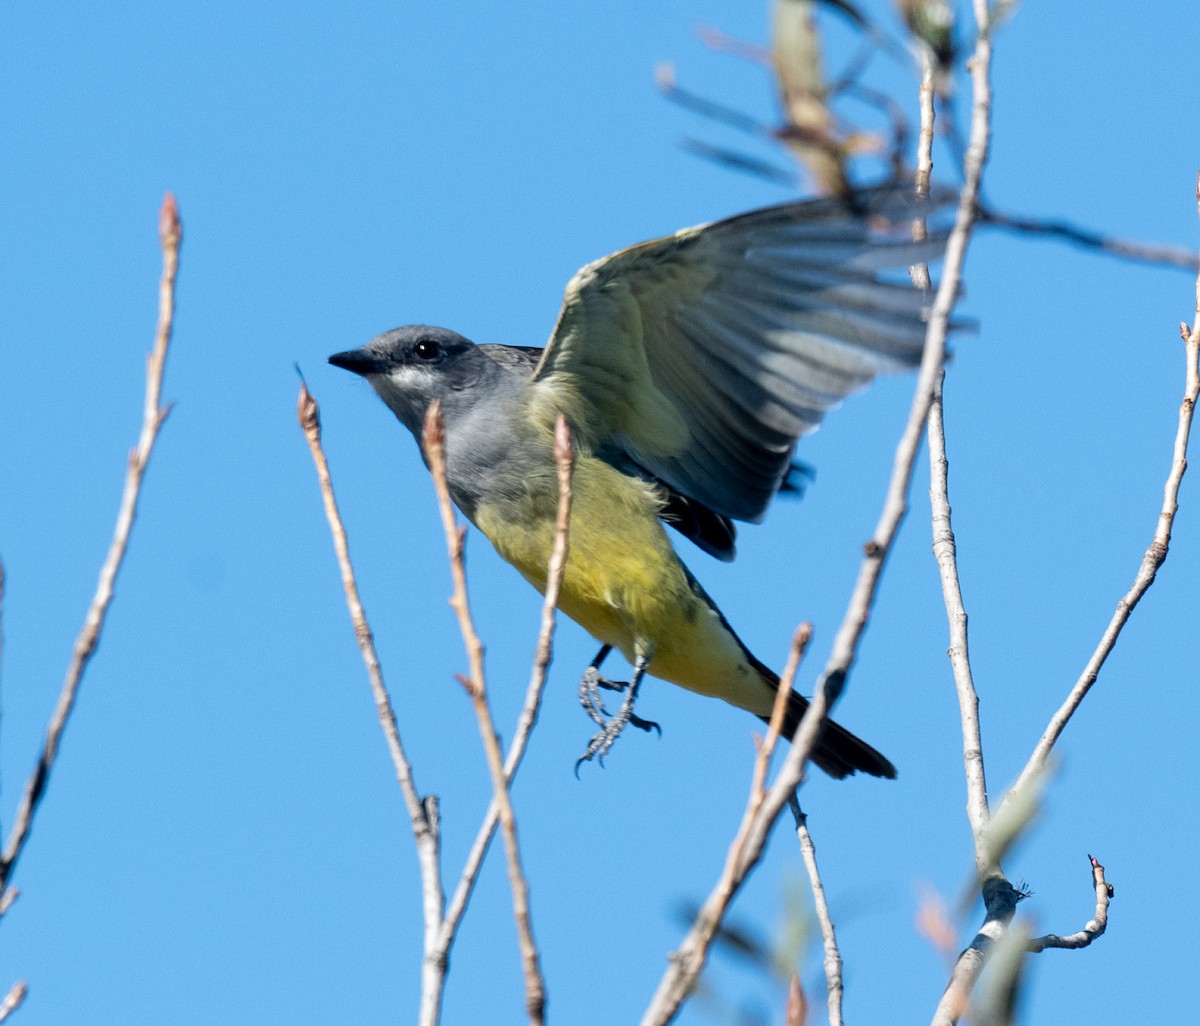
(610, 726)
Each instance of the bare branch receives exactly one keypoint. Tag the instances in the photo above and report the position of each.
(1000, 903)
(800, 640)
(833, 956)
(745, 850)
(1094, 926)
(687, 962)
(668, 85)
(943, 534)
(1154, 557)
(153, 415)
(422, 814)
(1148, 253)
(535, 987)
(12, 1000)
(565, 460)
(960, 659)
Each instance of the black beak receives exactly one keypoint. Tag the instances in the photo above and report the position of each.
(359, 361)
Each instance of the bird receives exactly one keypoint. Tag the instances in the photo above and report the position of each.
(686, 368)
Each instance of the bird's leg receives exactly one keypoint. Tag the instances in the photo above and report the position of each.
(589, 693)
(611, 728)
(590, 685)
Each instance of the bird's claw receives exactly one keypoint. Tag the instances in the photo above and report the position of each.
(610, 726)
(589, 695)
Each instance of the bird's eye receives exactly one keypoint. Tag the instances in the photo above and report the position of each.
(427, 349)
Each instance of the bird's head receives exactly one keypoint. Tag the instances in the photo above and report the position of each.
(412, 366)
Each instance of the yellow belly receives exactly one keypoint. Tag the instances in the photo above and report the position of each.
(624, 583)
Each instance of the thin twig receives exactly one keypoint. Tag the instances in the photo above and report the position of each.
(1170, 256)
(688, 961)
(999, 896)
(800, 640)
(833, 956)
(1094, 927)
(535, 987)
(565, 461)
(924, 175)
(12, 1000)
(153, 414)
(423, 814)
(960, 659)
(668, 85)
(943, 534)
(1154, 557)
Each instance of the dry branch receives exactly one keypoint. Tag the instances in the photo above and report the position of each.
(565, 461)
(1154, 557)
(476, 685)
(422, 813)
(960, 661)
(153, 414)
(1094, 926)
(12, 1000)
(832, 955)
(686, 963)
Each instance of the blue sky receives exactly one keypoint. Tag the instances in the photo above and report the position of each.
(223, 840)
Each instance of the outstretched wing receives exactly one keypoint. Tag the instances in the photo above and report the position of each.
(701, 357)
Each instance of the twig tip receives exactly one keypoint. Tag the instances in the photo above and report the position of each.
(435, 426)
(307, 411)
(169, 227)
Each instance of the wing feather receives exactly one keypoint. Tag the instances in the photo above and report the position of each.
(703, 356)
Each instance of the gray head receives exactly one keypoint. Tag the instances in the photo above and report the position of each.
(412, 366)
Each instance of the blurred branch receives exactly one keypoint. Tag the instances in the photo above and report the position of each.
(1093, 928)
(422, 813)
(1000, 900)
(999, 896)
(813, 131)
(435, 449)
(1144, 252)
(170, 234)
(810, 125)
(12, 1000)
(833, 956)
(797, 1004)
(565, 460)
(996, 1004)
(1154, 557)
(664, 77)
(686, 964)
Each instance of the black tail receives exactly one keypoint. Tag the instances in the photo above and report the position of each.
(839, 753)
